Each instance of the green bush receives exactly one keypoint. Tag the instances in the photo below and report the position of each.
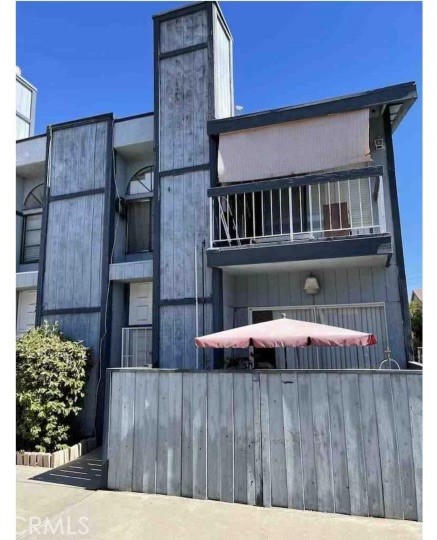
(51, 374)
(416, 323)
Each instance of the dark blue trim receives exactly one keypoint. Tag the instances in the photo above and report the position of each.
(183, 50)
(292, 181)
(106, 284)
(137, 257)
(397, 236)
(133, 117)
(184, 170)
(126, 294)
(351, 246)
(31, 138)
(107, 117)
(43, 244)
(185, 301)
(217, 312)
(404, 94)
(76, 194)
(71, 311)
(156, 239)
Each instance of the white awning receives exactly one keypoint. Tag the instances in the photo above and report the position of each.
(299, 147)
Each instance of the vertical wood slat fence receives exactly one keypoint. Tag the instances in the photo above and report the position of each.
(348, 442)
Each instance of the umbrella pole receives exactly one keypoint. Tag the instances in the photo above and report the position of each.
(251, 357)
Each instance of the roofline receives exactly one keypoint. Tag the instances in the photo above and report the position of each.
(81, 121)
(405, 94)
(188, 9)
(31, 138)
(26, 82)
(91, 118)
(133, 117)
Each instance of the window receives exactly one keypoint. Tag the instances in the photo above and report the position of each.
(23, 110)
(32, 211)
(139, 211)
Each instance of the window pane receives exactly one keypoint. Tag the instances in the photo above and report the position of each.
(141, 182)
(33, 222)
(138, 237)
(31, 254)
(32, 238)
(23, 99)
(35, 198)
(23, 128)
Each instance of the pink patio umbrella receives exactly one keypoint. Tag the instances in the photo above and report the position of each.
(285, 333)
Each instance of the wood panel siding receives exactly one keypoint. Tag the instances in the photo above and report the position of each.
(329, 441)
(79, 158)
(74, 264)
(338, 286)
(182, 32)
(178, 330)
(86, 328)
(73, 269)
(184, 227)
(193, 84)
(183, 111)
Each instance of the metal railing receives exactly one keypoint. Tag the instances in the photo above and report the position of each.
(298, 213)
(136, 346)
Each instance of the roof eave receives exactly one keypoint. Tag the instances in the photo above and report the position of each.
(405, 93)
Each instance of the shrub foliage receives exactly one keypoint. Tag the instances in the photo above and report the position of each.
(51, 374)
(416, 323)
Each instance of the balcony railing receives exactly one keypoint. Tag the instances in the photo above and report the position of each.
(254, 215)
(136, 346)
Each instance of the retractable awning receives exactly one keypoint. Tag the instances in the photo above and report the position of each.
(297, 147)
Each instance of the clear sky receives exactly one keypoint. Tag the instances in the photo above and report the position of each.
(88, 58)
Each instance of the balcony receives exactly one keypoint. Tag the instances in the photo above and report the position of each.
(136, 347)
(324, 216)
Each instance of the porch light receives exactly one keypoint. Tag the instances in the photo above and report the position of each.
(311, 285)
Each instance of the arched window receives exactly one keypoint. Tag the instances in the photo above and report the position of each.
(139, 195)
(141, 182)
(32, 215)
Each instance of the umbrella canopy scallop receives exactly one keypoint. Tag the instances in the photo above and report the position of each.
(285, 333)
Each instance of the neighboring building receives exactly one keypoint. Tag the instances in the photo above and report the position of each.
(25, 107)
(416, 296)
(137, 234)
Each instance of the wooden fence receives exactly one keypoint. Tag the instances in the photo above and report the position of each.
(333, 441)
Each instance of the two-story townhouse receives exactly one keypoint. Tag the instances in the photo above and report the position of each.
(137, 234)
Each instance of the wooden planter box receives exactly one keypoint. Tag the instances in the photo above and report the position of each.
(58, 458)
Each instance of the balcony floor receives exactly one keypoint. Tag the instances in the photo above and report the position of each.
(370, 250)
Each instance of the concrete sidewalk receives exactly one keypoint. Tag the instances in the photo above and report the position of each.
(52, 511)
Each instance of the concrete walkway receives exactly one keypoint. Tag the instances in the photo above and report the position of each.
(52, 511)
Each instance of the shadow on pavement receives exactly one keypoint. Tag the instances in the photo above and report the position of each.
(88, 472)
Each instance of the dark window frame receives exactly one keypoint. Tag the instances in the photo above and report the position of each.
(24, 246)
(140, 198)
(129, 205)
(32, 207)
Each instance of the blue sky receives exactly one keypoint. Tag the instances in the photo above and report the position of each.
(88, 58)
